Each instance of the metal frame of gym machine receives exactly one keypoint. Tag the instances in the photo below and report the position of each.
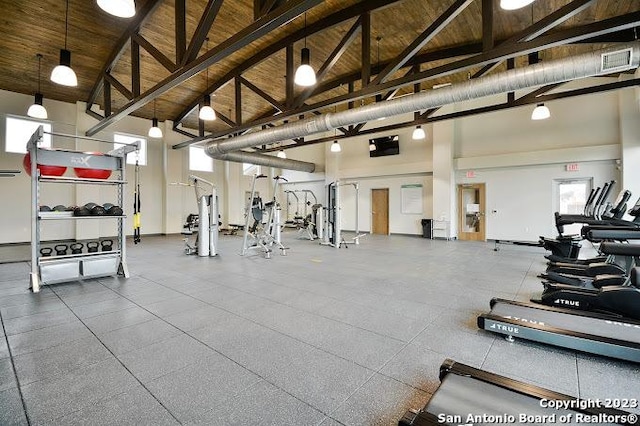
(207, 237)
(331, 235)
(71, 267)
(270, 233)
(465, 391)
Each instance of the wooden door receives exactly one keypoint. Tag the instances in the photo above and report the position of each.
(471, 212)
(380, 211)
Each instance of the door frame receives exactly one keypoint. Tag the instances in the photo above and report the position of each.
(481, 235)
(373, 190)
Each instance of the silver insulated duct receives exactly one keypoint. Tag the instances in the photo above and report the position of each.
(264, 160)
(591, 64)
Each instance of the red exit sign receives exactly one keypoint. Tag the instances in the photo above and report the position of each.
(572, 167)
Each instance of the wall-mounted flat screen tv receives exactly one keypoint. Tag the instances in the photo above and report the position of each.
(387, 145)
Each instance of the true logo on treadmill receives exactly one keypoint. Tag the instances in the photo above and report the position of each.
(507, 328)
(565, 302)
(528, 321)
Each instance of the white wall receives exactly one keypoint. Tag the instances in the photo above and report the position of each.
(575, 122)
(520, 201)
(412, 166)
(164, 207)
(15, 193)
(518, 159)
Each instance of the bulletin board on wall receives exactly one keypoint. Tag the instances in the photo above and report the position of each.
(411, 196)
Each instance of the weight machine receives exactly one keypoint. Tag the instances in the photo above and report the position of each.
(331, 235)
(205, 224)
(306, 223)
(306, 202)
(264, 233)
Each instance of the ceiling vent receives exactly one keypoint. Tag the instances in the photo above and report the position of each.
(620, 60)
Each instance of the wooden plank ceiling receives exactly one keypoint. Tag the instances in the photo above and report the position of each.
(38, 26)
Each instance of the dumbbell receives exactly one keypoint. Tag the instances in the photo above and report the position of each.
(76, 248)
(59, 208)
(81, 211)
(107, 245)
(61, 249)
(46, 251)
(92, 246)
(45, 208)
(114, 211)
(98, 210)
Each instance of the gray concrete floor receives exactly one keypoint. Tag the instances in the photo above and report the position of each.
(318, 337)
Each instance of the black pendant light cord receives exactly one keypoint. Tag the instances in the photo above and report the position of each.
(207, 71)
(66, 25)
(39, 60)
(305, 30)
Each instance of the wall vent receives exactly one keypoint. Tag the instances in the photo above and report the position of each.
(620, 60)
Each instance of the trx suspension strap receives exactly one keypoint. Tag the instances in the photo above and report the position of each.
(136, 206)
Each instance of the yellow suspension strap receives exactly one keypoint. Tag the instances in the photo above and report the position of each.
(136, 206)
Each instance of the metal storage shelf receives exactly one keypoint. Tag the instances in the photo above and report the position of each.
(46, 259)
(54, 269)
(80, 217)
(77, 180)
(442, 228)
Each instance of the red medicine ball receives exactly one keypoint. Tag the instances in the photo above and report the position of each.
(92, 173)
(44, 169)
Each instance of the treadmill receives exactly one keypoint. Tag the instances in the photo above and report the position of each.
(597, 333)
(494, 399)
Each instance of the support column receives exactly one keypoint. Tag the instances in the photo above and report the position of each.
(443, 172)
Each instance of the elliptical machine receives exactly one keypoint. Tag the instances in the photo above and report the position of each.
(204, 225)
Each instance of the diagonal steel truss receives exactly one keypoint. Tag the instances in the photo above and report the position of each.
(373, 81)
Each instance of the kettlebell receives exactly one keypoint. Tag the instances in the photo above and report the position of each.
(90, 205)
(61, 249)
(107, 245)
(76, 248)
(46, 251)
(107, 206)
(92, 246)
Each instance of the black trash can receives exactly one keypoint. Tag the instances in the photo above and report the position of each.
(427, 228)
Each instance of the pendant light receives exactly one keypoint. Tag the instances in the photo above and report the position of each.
(119, 8)
(372, 146)
(540, 112)
(37, 110)
(418, 133)
(514, 4)
(335, 146)
(281, 154)
(305, 75)
(206, 112)
(155, 131)
(63, 74)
